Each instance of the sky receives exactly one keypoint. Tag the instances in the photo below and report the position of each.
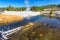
(21, 3)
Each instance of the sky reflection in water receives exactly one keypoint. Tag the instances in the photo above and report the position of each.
(51, 21)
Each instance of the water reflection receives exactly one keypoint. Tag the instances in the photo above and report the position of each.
(50, 21)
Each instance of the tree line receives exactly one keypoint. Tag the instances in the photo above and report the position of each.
(33, 8)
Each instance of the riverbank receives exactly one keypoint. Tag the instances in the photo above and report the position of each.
(5, 18)
(52, 22)
(22, 13)
(38, 31)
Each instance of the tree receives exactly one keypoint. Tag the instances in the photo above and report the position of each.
(59, 6)
(51, 14)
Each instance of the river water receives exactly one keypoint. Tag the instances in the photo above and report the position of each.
(52, 21)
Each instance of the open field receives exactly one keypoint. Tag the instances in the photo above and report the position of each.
(4, 18)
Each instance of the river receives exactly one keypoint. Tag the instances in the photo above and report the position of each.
(51, 21)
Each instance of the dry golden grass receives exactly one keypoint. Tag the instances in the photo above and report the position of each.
(4, 18)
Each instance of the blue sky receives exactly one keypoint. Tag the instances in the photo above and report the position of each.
(21, 3)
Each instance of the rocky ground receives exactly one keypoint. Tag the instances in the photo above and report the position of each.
(37, 31)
